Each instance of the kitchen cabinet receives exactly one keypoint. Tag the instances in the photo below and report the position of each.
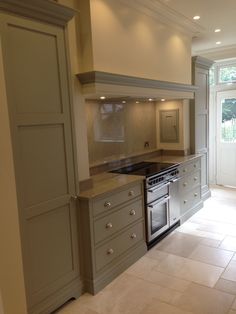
(199, 118)
(34, 55)
(190, 188)
(112, 233)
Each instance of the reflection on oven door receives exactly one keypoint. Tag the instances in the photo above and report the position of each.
(158, 217)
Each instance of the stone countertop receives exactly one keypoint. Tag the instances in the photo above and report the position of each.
(174, 159)
(107, 182)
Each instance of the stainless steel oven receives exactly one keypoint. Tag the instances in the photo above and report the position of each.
(161, 203)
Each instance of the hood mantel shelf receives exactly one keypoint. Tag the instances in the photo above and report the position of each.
(96, 83)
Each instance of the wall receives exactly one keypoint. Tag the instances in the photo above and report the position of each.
(122, 132)
(78, 100)
(124, 41)
(11, 269)
(184, 140)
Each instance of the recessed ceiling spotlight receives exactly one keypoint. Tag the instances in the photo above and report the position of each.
(123, 102)
(196, 17)
(137, 102)
(217, 30)
(102, 97)
(150, 99)
(218, 42)
(163, 99)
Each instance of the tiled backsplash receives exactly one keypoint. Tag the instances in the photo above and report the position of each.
(117, 129)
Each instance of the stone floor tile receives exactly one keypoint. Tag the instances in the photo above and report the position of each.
(229, 243)
(203, 300)
(191, 270)
(211, 255)
(230, 272)
(157, 307)
(226, 286)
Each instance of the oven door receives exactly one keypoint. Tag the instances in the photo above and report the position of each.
(157, 217)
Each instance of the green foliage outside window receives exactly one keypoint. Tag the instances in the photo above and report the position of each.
(227, 74)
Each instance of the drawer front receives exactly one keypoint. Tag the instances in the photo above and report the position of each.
(190, 200)
(190, 167)
(106, 226)
(108, 252)
(189, 181)
(117, 198)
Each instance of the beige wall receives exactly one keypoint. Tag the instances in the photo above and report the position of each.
(183, 106)
(136, 120)
(124, 41)
(78, 100)
(11, 269)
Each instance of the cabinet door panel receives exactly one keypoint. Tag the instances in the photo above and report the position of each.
(40, 111)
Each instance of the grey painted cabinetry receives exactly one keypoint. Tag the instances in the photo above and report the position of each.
(32, 35)
(199, 111)
(190, 188)
(112, 234)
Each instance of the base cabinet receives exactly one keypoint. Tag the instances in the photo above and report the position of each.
(112, 234)
(190, 188)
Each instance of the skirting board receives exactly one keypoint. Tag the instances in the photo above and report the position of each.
(94, 286)
(72, 290)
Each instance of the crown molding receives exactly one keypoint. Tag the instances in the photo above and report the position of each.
(166, 15)
(202, 62)
(215, 50)
(44, 10)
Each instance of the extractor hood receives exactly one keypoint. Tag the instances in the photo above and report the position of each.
(95, 84)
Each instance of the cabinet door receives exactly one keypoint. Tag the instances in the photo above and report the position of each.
(39, 104)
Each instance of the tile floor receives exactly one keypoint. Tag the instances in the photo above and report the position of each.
(192, 271)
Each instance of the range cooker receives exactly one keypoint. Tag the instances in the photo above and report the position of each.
(161, 197)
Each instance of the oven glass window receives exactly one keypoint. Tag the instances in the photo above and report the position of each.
(158, 217)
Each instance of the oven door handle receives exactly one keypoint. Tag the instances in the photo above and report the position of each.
(153, 190)
(160, 201)
(175, 180)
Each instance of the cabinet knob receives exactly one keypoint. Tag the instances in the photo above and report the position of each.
(195, 178)
(133, 236)
(195, 194)
(74, 197)
(109, 225)
(107, 204)
(132, 212)
(195, 166)
(185, 184)
(184, 170)
(185, 201)
(131, 193)
(110, 251)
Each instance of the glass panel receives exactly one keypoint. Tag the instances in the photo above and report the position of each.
(227, 74)
(228, 122)
(158, 217)
(212, 76)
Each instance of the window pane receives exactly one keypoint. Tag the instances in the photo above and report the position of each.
(227, 74)
(228, 125)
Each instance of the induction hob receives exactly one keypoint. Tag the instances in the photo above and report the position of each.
(145, 168)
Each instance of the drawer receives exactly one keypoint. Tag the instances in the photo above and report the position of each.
(117, 198)
(106, 226)
(108, 252)
(190, 200)
(189, 181)
(190, 167)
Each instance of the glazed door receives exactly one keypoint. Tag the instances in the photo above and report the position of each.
(226, 138)
(35, 66)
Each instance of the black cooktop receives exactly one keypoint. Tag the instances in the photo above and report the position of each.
(145, 168)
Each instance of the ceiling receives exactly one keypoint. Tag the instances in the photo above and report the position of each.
(214, 14)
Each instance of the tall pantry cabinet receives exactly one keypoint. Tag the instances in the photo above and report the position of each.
(32, 40)
(199, 118)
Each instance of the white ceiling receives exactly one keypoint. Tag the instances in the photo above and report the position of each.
(214, 14)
